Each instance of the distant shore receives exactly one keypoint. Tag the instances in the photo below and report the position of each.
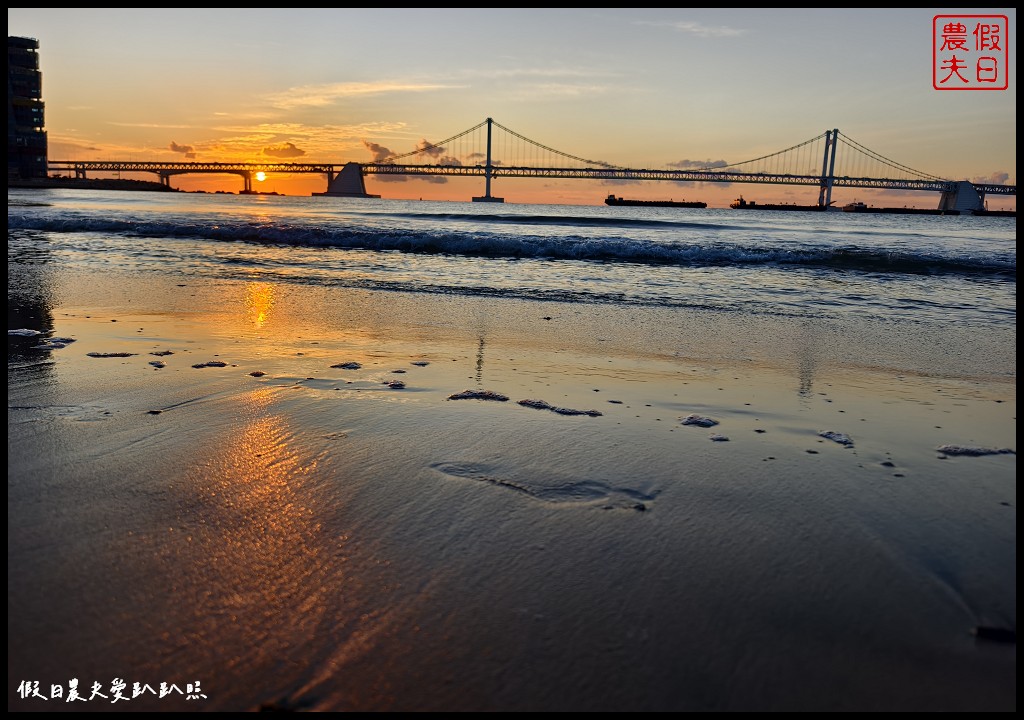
(90, 184)
(114, 184)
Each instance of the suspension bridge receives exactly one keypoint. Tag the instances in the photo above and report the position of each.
(491, 150)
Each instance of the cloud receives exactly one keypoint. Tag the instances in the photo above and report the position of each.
(560, 90)
(996, 178)
(536, 72)
(695, 28)
(697, 164)
(429, 149)
(321, 143)
(379, 152)
(71, 147)
(434, 179)
(285, 150)
(187, 150)
(321, 95)
(424, 147)
(159, 126)
(477, 158)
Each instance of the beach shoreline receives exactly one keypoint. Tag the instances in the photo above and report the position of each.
(293, 532)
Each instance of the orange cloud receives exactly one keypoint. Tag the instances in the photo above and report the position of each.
(285, 150)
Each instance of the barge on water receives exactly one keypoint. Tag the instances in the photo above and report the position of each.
(613, 200)
(741, 204)
(859, 207)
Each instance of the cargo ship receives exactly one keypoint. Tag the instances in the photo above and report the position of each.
(995, 213)
(741, 204)
(612, 200)
(859, 207)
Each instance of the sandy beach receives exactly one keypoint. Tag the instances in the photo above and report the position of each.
(692, 511)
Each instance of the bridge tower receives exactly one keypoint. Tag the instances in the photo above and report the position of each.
(488, 170)
(828, 168)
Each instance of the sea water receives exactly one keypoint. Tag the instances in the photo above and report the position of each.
(906, 268)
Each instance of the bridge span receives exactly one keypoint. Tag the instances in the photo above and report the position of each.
(477, 153)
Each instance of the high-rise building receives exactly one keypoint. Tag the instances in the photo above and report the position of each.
(26, 136)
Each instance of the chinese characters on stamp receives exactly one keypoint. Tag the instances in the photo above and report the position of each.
(970, 52)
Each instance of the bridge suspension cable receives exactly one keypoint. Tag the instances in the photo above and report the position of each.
(440, 146)
(810, 147)
(881, 159)
(556, 152)
(511, 153)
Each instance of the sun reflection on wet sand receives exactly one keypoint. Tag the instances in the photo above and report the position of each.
(278, 582)
(263, 576)
(259, 300)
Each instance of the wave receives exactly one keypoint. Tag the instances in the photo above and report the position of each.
(578, 247)
(563, 220)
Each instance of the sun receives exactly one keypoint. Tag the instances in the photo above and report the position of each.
(261, 176)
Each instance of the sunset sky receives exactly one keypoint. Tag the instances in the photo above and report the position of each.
(641, 88)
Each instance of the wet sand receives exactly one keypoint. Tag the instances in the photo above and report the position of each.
(331, 499)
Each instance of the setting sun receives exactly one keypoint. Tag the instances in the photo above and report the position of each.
(261, 176)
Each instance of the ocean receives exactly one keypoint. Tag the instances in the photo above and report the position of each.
(903, 268)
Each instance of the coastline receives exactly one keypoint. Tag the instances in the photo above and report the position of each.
(59, 182)
(315, 538)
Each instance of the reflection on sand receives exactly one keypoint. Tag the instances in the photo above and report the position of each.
(276, 582)
(261, 586)
(259, 299)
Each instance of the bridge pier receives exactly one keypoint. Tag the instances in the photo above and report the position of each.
(348, 182)
(963, 198)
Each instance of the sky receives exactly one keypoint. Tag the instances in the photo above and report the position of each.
(639, 88)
